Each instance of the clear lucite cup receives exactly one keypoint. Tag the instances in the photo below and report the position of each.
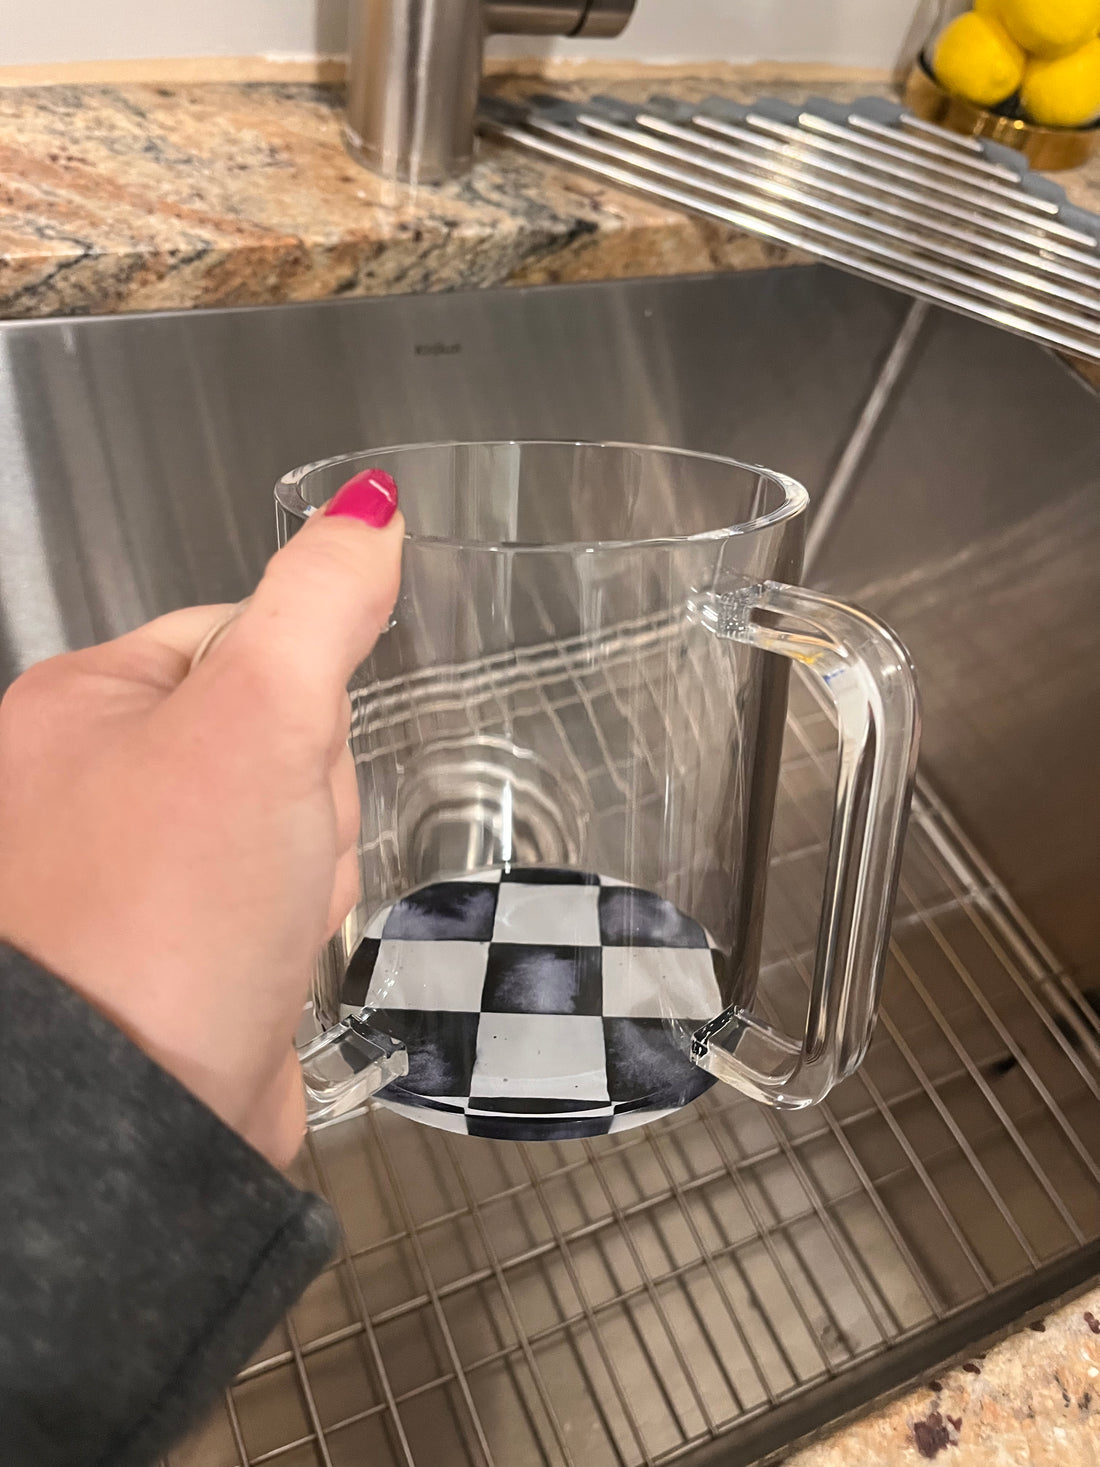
(568, 743)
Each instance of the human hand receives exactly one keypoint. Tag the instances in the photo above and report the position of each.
(178, 844)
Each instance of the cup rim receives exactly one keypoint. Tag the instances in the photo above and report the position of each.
(795, 497)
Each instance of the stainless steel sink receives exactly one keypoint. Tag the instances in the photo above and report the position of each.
(725, 1283)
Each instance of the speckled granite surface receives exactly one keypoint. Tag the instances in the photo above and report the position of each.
(145, 197)
(1033, 1401)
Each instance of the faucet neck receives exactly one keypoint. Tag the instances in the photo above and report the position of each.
(414, 71)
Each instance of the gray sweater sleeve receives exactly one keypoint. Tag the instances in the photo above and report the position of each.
(145, 1249)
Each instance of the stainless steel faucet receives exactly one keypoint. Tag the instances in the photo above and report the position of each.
(415, 67)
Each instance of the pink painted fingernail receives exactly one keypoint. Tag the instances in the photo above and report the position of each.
(371, 497)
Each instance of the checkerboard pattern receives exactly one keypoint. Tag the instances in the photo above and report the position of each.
(536, 1003)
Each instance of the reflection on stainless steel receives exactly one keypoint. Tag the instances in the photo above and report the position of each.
(978, 535)
(835, 493)
(939, 209)
(138, 453)
(936, 143)
(732, 1278)
(414, 67)
(972, 177)
(941, 136)
(952, 228)
(413, 71)
(956, 243)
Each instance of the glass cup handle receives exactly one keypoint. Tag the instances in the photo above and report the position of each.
(347, 1064)
(869, 679)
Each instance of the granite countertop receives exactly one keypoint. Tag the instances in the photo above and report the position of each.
(141, 197)
(144, 197)
(1032, 1401)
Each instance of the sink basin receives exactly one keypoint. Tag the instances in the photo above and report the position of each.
(727, 1282)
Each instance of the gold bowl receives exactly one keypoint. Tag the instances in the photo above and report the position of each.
(1050, 149)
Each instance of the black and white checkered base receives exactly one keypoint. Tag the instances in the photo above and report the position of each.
(537, 1004)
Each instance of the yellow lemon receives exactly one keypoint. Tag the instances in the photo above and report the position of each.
(976, 58)
(1064, 92)
(986, 7)
(1049, 28)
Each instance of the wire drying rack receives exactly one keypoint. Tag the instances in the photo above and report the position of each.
(729, 1279)
(869, 187)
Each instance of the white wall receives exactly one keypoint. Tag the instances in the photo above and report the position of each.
(849, 32)
(33, 31)
(856, 32)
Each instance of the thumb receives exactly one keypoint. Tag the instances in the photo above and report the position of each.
(327, 594)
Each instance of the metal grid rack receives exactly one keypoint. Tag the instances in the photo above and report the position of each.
(867, 187)
(671, 1294)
